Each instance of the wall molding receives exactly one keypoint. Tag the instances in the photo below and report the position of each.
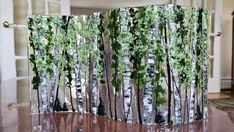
(226, 82)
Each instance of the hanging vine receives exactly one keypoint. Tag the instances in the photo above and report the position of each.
(32, 43)
(164, 19)
(116, 48)
(116, 56)
(158, 89)
(101, 51)
(180, 51)
(202, 55)
(48, 34)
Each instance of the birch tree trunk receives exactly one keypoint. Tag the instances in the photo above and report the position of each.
(176, 86)
(79, 96)
(127, 92)
(55, 73)
(192, 98)
(95, 89)
(107, 65)
(54, 79)
(44, 92)
(193, 85)
(43, 86)
(167, 33)
(148, 92)
(177, 97)
(205, 23)
(205, 91)
(90, 83)
(127, 66)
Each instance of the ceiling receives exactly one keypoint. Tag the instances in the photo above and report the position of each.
(108, 4)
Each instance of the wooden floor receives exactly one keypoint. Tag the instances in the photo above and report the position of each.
(17, 117)
(220, 95)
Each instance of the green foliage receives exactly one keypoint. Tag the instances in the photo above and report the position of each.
(42, 41)
(179, 49)
(116, 48)
(48, 34)
(71, 33)
(160, 54)
(96, 21)
(84, 44)
(36, 79)
(125, 38)
(67, 48)
(201, 47)
(34, 44)
(84, 52)
(101, 52)
(139, 29)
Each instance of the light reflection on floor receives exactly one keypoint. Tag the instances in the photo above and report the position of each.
(15, 116)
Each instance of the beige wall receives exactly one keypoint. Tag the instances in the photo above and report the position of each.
(101, 4)
(86, 7)
(226, 51)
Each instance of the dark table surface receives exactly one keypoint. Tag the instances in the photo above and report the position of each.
(15, 116)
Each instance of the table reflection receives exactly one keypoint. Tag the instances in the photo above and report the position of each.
(15, 116)
(74, 122)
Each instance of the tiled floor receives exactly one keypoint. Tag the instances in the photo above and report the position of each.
(15, 116)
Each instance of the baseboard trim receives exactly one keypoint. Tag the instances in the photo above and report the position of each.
(226, 83)
(226, 89)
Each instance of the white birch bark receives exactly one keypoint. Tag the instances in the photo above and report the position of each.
(177, 97)
(55, 74)
(127, 92)
(95, 90)
(44, 92)
(43, 86)
(80, 76)
(79, 97)
(127, 84)
(176, 86)
(193, 85)
(192, 93)
(205, 91)
(54, 79)
(148, 91)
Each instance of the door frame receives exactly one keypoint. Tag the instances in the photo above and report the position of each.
(214, 78)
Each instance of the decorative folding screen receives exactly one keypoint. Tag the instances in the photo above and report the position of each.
(143, 65)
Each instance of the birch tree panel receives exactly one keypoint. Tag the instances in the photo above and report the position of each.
(144, 65)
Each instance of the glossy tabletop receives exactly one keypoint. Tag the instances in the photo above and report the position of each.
(15, 116)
